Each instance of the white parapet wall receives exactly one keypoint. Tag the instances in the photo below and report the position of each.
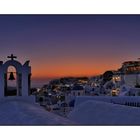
(124, 100)
(132, 79)
(30, 99)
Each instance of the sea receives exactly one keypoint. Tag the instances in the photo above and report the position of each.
(38, 83)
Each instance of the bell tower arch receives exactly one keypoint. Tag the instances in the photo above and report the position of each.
(23, 75)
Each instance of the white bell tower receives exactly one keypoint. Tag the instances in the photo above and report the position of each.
(23, 77)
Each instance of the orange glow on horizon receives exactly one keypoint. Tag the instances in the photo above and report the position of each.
(72, 66)
(66, 71)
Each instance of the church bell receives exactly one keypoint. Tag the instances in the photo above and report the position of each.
(11, 77)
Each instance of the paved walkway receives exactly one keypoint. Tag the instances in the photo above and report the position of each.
(18, 111)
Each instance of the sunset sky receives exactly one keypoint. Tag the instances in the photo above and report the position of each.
(70, 45)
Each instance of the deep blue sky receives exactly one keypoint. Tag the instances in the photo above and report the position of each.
(70, 45)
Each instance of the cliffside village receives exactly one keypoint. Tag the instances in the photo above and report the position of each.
(61, 93)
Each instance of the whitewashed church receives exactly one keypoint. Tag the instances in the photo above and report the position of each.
(21, 76)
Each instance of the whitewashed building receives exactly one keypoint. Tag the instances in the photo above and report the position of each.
(131, 73)
(78, 90)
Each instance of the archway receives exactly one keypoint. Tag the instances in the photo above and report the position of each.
(17, 73)
(12, 83)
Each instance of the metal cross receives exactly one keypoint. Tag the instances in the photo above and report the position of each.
(12, 57)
